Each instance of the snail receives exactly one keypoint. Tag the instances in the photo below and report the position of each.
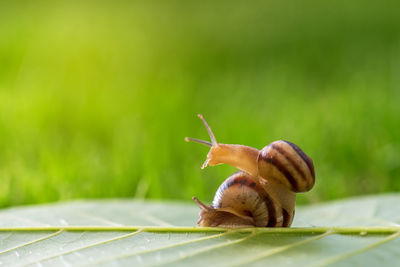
(263, 192)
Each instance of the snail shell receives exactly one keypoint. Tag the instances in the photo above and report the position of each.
(241, 201)
(286, 163)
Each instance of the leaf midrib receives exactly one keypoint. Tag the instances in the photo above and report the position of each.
(297, 230)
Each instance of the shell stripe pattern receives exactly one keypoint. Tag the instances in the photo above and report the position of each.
(305, 158)
(287, 219)
(292, 163)
(241, 179)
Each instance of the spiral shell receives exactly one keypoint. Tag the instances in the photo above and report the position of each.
(242, 199)
(286, 163)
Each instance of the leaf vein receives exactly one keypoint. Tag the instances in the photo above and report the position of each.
(83, 247)
(208, 248)
(277, 250)
(29, 221)
(32, 241)
(127, 255)
(357, 251)
(91, 216)
(154, 219)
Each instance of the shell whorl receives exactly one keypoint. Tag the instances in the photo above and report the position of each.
(286, 163)
(241, 193)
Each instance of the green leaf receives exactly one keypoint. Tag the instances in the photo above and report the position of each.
(359, 231)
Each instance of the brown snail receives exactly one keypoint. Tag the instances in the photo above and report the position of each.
(263, 192)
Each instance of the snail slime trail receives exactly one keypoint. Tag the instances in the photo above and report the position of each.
(263, 192)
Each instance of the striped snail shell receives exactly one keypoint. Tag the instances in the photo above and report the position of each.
(286, 163)
(263, 192)
(242, 201)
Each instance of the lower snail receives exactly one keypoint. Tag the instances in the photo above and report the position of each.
(263, 192)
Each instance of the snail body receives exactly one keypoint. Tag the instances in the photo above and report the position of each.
(263, 192)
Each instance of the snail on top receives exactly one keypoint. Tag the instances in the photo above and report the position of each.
(263, 192)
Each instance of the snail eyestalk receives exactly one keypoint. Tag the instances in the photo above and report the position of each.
(212, 144)
(210, 133)
(195, 140)
(201, 204)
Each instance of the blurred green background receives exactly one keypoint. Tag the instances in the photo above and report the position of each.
(96, 97)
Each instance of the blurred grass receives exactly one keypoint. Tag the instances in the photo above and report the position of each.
(96, 97)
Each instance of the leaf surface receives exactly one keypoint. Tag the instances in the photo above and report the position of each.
(360, 231)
